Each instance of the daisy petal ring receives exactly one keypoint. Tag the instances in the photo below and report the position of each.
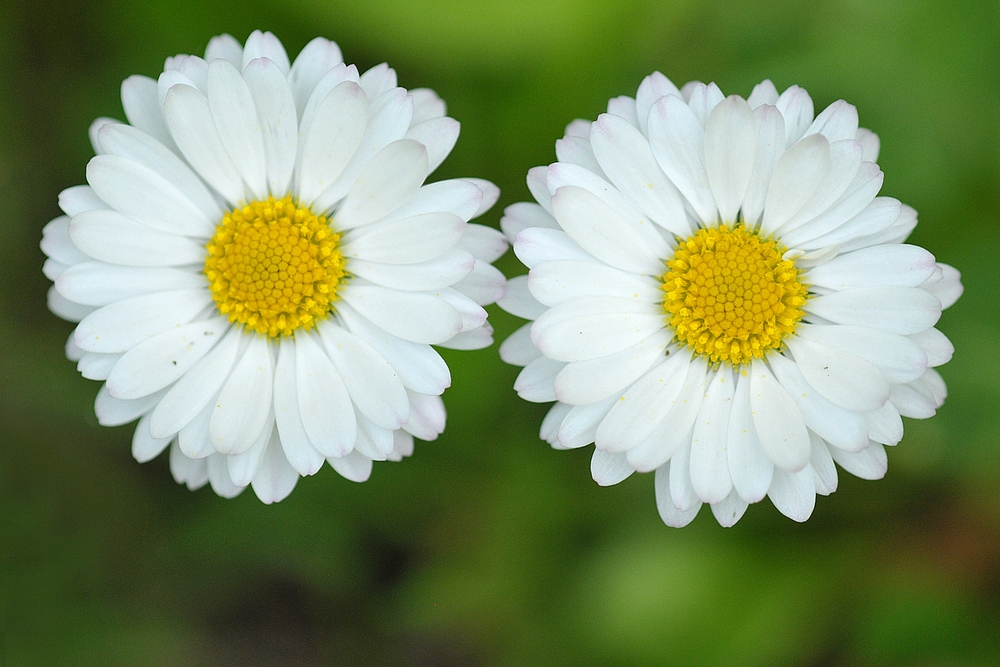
(259, 270)
(719, 295)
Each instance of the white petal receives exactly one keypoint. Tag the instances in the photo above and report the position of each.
(141, 103)
(794, 493)
(870, 142)
(388, 120)
(193, 391)
(797, 108)
(596, 379)
(113, 411)
(355, 467)
(163, 358)
(394, 174)
(123, 324)
(402, 445)
(379, 79)
(709, 465)
(749, 466)
(900, 359)
(561, 280)
(593, 327)
(702, 99)
(841, 377)
(763, 93)
(901, 310)
(665, 505)
(844, 165)
(899, 265)
(66, 309)
(420, 238)
(427, 416)
(949, 288)
(190, 472)
(95, 132)
(626, 158)
(518, 301)
(218, 477)
(652, 88)
(275, 107)
(193, 437)
(535, 382)
(681, 490)
(438, 136)
(841, 427)
(298, 450)
(324, 404)
(885, 425)
(57, 244)
(443, 271)
(935, 345)
(605, 234)
(824, 470)
(837, 122)
(580, 424)
(373, 442)
(241, 411)
(729, 510)
(371, 381)
(624, 107)
(523, 215)
(796, 175)
(111, 237)
(426, 105)
(144, 446)
(518, 350)
(419, 366)
(609, 469)
(770, 146)
(646, 404)
(315, 59)
(551, 423)
(730, 147)
(484, 243)
(243, 467)
(413, 316)
(535, 245)
(333, 136)
(128, 143)
(869, 463)
(484, 284)
(857, 215)
(778, 421)
(458, 196)
(678, 142)
(275, 478)
(97, 366)
(226, 47)
(265, 45)
(75, 200)
(673, 435)
(99, 284)
(189, 118)
(235, 116)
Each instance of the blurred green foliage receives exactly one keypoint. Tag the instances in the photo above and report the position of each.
(487, 548)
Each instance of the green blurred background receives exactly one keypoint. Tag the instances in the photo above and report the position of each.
(486, 547)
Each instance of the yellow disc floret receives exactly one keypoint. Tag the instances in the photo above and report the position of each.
(274, 267)
(730, 296)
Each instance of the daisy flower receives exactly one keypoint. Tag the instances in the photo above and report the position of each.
(259, 271)
(719, 296)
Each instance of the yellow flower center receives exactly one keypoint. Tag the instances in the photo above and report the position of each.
(274, 267)
(730, 296)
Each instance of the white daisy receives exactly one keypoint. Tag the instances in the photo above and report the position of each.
(719, 295)
(259, 272)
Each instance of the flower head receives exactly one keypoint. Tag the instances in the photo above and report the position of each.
(719, 295)
(259, 271)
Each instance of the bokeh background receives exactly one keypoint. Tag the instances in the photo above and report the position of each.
(487, 547)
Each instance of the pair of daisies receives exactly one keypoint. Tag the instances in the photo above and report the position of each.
(260, 272)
